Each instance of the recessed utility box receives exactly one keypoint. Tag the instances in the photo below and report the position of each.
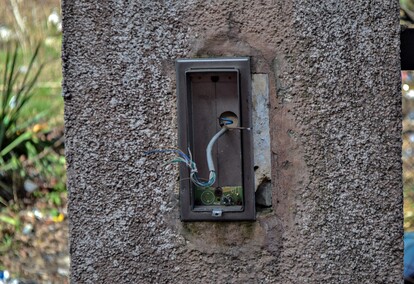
(215, 93)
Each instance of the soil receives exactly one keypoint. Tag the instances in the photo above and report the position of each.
(39, 249)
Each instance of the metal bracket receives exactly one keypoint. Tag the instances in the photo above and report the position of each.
(216, 212)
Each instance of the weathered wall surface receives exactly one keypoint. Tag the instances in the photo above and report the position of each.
(335, 109)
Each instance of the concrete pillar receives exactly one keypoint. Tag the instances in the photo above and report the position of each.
(335, 121)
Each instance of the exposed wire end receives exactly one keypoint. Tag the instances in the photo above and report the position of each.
(227, 121)
(181, 153)
(187, 160)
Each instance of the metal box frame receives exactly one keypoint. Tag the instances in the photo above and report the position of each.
(240, 66)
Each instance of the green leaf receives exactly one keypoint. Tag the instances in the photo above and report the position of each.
(12, 164)
(9, 220)
(31, 150)
(55, 198)
(19, 140)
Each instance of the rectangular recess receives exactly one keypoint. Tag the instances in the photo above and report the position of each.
(206, 88)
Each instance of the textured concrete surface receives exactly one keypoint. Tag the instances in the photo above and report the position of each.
(335, 125)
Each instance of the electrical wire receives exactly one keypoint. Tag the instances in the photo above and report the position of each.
(227, 120)
(209, 149)
(188, 159)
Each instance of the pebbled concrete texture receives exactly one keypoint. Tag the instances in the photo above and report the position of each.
(335, 122)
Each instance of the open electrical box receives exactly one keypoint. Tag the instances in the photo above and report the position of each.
(214, 125)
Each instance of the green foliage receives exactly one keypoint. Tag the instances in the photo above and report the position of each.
(407, 5)
(6, 243)
(16, 93)
(54, 197)
(9, 220)
(9, 223)
(28, 151)
(32, 141)
(407, 13)
(15, 135)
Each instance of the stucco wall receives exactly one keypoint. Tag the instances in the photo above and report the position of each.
(335, 125)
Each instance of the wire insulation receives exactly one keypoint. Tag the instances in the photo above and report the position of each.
(188, 161)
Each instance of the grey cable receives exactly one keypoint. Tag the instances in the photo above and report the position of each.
(209, 149)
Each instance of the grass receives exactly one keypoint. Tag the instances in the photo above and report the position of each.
(33, 29)
(47, 91)
(36, 29)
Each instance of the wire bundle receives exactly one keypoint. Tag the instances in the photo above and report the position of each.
(187, 160)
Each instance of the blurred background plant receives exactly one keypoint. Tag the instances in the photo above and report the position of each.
(32, 163)
(407, 21)
(408, 148)
(407, 13)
